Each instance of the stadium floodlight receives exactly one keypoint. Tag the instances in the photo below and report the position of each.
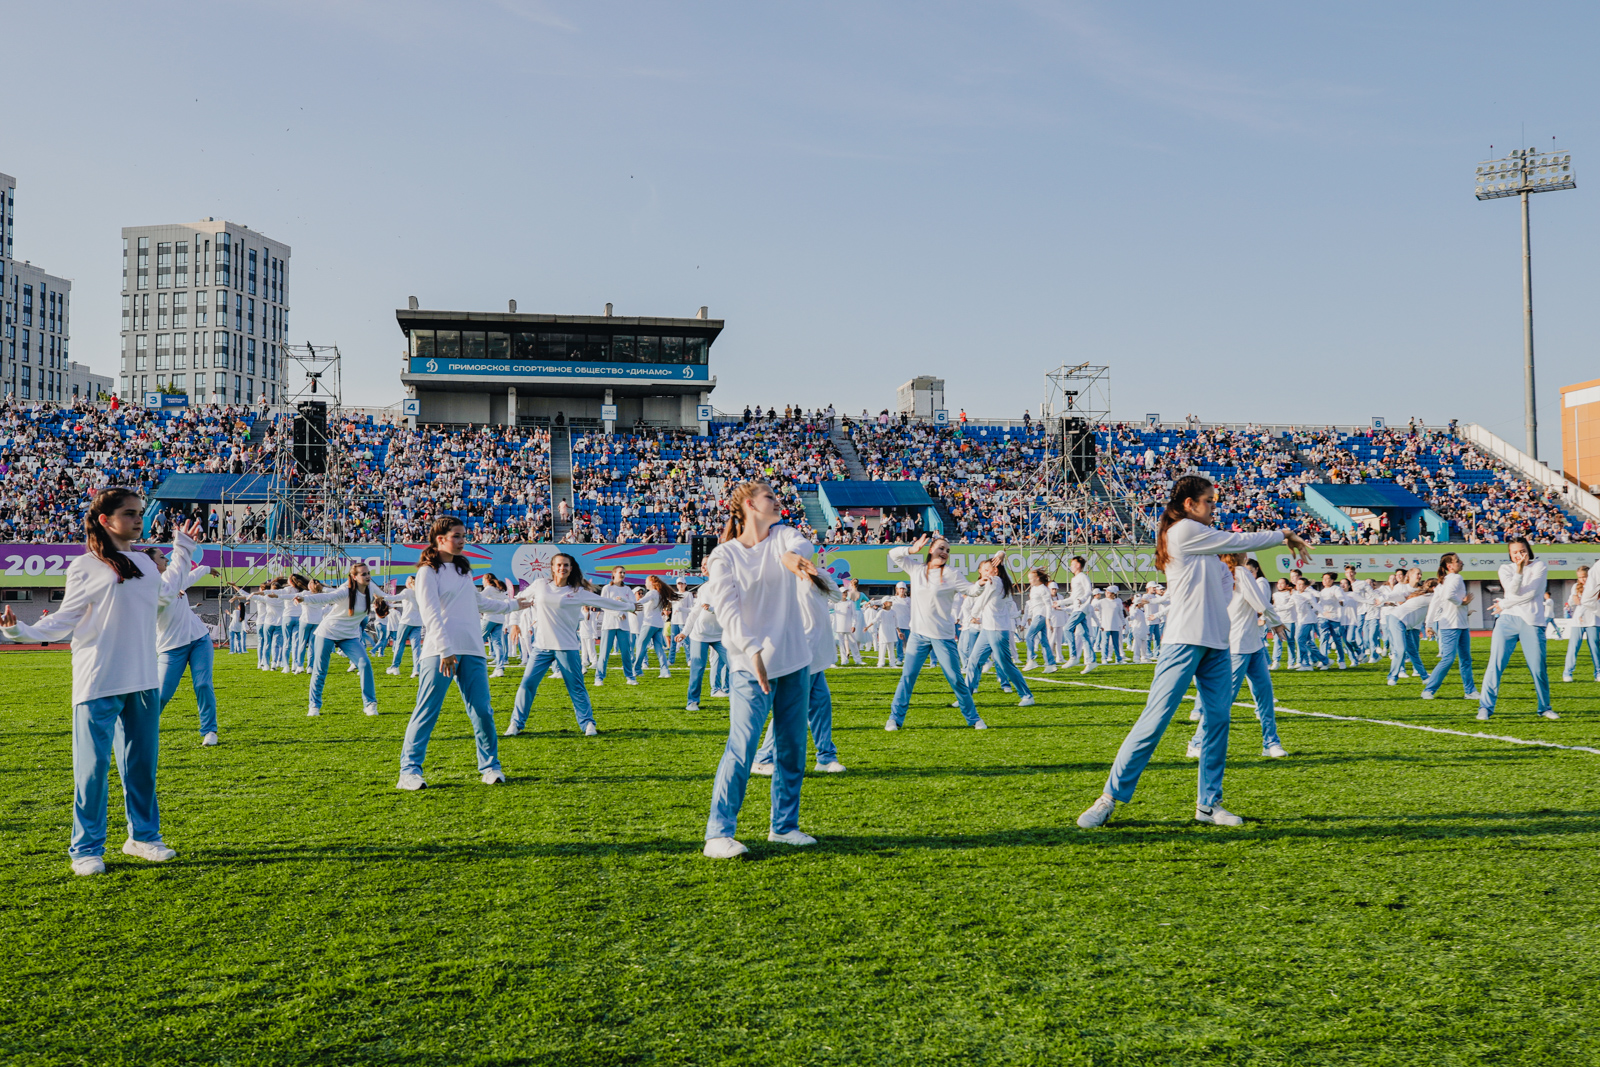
(1522, 173)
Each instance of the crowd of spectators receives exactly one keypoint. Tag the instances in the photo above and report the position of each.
(987, 481)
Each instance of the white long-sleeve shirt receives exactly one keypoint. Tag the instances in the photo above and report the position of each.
(1523, 595)
(995, 610)
(342, 622)
(1039, 602)
(557, 611)
(816, 616)
(1081, 592)
(1244, 613)
(1199, 584)
(448, 603)
(617, 616)
(650, 611)
(933, 594)
(176, 623)
(111, 622)
(1449, 604)
(758, 603)
(1412, 612)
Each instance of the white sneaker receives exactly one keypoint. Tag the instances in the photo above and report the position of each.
(209, 740)
(414, 674)
(1098, 813)
(1566, 677)
(498, 672)
(763, 769)
(1548, 715)
(370, 709)
(590, 730)
(1274, 751)
(891, 725)
(154, 851)
(633, 681)
(1427, 694)
(664, 673)
(1217, 816)
(411, 783)
(1472, 696)
(492, 776)
(286, 670)
(350, 669)
(598, 684)
(1191, 750)
(1087, 668)
(1030, 666)
(313, 711)
(84, 866)
(723, 848)
(980, 725)
(513, 730)
(833, 767)
(1194, 714)
(1304, 668)
(691, 707)
(1051, 669)
(391, 670)
(1393, 682)
(1025, 702)
(1483, 714)
(793, 837)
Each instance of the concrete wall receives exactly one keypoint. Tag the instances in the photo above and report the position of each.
(456, 407)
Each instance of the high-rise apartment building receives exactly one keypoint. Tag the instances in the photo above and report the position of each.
(204, 312)
(34, 319)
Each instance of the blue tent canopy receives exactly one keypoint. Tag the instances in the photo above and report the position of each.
(837, 496)
(214, 488)
(1375, 496)
(1407, 511)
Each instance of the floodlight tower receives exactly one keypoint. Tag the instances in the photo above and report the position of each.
(1523, 173)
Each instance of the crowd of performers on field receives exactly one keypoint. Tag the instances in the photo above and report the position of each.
(766, 625)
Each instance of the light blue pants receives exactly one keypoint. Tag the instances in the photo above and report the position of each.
(1070, 640)
(323, 655)
(1038, 641)
(1508, 632)
(972, 666)
(819, 716)
(236, 641)
(268, 640)
(748, 709)
(1455, 646)
(673, 630)
(128, 724)
(698, 652)
(1156, 629)
(409, 635)
(305, 640)
(1333, 640)
(1580, 634)
(1250, 667)
(494, 635)
(1110, 642)
(1306, 652)
(650, 639)
(943, 650)
(533, 672)
(900, 639)
(967, 645)
(622, 641)
(197, 656)
(1401, 650)
(997, 643)
(472, 678)
(1211, 671)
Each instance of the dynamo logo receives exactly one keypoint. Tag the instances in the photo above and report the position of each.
(432, 365)
(688, 372)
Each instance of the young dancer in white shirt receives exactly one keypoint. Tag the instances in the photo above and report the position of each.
(183, 641)
(558, 604)
(347, 609)
(1522, 619)
(935, 591)
(1248, 612)
(753, 592)
(108, 610)
(1194, 649)
(615, 629)
(1583, 608)
(449, 603)
(1447, 617)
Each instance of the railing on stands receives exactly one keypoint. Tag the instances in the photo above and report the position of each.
(1531, 469)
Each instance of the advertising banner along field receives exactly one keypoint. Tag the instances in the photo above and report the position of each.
(24, 566)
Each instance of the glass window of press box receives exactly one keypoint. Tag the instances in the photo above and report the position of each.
(478, 346)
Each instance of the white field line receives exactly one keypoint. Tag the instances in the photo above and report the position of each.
(1281, 710)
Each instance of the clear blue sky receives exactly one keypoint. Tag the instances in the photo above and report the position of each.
(1249, 211)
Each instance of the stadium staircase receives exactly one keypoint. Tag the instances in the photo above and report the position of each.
(847, 451)
(813, 506)
(560, 480)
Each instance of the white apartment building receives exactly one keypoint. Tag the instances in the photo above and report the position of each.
(34, 319)
(204, 312)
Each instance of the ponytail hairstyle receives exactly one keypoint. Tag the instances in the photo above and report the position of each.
(1039, 573)
(300, 582)
(99, 542)
(1444, 560)
(1255, 568)
(1189, 487)
(430, 556)
(734, 526)
(1004, 576)
(351, 580)
(938, 548)
(664, 591)
(1232, 559)
(575, 578)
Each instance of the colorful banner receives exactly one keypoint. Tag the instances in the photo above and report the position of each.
(24, 566)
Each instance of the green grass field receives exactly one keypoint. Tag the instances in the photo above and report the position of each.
(1395, 897)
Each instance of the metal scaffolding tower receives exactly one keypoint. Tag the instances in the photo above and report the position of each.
(1079, 484)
